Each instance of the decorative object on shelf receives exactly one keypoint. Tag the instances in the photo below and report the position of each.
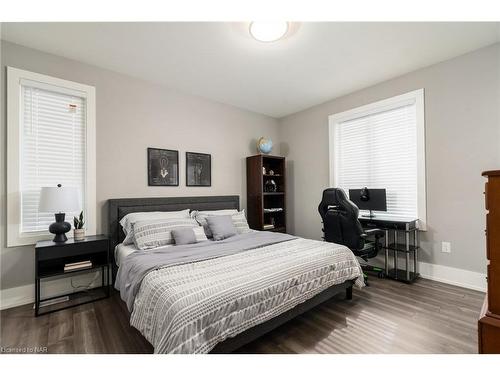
(263, 170)
(198, 169)
(270, 186)
(163, 167)
(264, 145)
(277, 209)
(59, 200)
(271, 172)
(78, 230)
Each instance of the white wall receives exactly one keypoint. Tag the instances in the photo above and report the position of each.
(462, 140)
(132, 115)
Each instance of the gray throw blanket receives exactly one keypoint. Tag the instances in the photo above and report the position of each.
(137, 265)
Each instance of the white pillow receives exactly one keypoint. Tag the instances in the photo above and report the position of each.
(239, 219)
(240, 222)
(149, 234)
(195, 213)
(129, 220)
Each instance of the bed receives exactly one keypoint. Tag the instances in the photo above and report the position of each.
(223, 302)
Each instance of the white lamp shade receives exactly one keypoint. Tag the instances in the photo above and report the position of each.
(59, 199)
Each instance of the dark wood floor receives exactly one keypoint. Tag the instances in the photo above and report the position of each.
(387, 317)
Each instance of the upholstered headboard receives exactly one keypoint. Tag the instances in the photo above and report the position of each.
(118, 208)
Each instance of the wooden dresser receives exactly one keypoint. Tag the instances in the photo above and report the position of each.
(489, 321)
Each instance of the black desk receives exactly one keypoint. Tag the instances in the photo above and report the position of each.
(398, 227)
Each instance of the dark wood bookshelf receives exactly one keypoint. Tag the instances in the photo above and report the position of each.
(258, 198)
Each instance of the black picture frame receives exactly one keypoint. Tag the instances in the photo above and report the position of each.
(198, 169)
(163, 167)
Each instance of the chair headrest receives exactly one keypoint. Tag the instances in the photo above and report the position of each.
(335, 198)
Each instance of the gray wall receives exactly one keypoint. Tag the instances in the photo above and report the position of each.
(131, 116)
(462, 139)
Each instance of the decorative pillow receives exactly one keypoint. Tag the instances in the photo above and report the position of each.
(155, 233)
(184, 236)
(221, 227)
(240, 222)
(128, 220)
(239, 219)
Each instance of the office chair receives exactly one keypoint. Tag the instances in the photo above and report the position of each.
(341, 226)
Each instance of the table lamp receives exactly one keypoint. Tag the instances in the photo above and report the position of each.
(59, 200)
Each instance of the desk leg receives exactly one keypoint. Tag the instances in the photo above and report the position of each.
(386, 252)
(108, 287)
(407, 246)
(37, 296)
(415, 256)
(395, 254)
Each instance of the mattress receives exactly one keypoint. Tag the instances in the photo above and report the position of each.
(122, 251)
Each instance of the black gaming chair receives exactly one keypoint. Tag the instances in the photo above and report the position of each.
(341, 225)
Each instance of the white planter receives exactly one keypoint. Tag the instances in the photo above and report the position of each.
(78, 234)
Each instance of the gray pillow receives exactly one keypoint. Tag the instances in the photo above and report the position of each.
(221, 227)
(184, 236)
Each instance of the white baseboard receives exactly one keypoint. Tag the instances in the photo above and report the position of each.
(25, 294)
(453, 276)
(448, 275)
(17, 296)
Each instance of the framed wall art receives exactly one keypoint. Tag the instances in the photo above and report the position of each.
(163, 167)
(198, 169)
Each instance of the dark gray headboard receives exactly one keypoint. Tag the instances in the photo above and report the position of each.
(118, 208)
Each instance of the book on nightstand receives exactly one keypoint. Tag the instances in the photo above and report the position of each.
(77, 266)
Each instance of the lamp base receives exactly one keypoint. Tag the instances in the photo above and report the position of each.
(60, 228)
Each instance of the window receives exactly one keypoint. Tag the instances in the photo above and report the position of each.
(51, 140)
(382, 145)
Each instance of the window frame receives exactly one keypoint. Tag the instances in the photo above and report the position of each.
(14, 128)
(413, 97)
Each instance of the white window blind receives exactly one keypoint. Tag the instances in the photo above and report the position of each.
(52, 149)
(379, 150)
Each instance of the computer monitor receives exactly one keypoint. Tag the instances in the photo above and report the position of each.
(369, 199)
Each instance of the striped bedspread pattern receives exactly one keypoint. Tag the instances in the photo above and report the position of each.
(189, 308)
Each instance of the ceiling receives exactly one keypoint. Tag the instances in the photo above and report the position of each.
(220, 61)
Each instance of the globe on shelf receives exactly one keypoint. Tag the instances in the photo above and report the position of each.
(264, 145)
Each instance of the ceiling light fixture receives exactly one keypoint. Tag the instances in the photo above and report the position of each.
(268, 31)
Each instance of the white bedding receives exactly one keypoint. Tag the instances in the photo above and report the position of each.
(122, 251)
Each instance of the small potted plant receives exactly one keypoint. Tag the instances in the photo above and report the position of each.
(78, 231)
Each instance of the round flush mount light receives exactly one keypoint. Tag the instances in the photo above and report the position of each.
(268, 31)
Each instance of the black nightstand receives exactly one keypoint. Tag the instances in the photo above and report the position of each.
(51, 257)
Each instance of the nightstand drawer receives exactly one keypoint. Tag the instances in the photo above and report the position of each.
(61, 251)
